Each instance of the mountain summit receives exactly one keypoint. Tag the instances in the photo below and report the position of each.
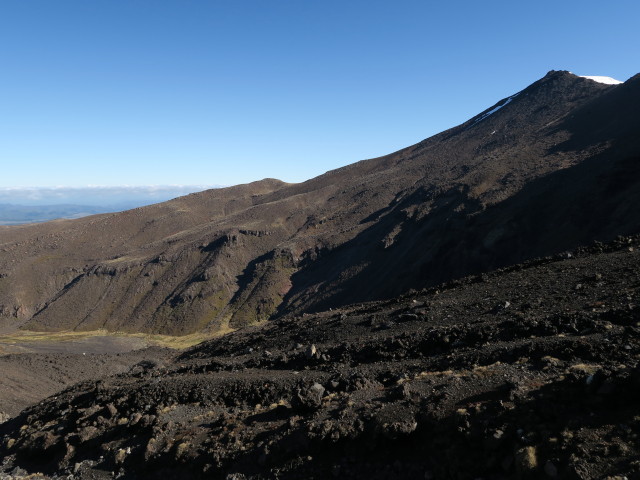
(549, 168)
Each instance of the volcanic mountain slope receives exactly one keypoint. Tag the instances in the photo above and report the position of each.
(528, 372)
(551, 167)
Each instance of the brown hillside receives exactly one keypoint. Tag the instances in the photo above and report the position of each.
(556, 167)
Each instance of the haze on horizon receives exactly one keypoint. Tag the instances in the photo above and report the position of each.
(19, 205)
(113, 197)
(175, 93)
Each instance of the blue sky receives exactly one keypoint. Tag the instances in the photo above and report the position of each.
(196, 92)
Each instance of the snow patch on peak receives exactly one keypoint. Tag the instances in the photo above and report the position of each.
(494, 110)
(605, 80)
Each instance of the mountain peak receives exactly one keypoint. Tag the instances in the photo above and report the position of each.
(557, 74)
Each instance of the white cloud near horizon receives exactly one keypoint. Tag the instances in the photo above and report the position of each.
(97, 195)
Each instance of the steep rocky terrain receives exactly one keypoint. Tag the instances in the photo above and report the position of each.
(550, 168)
(531, 371)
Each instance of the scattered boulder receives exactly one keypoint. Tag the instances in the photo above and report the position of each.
(111, 411)
(395, 421)
(311, 352)
(526, 460)
(308, 397)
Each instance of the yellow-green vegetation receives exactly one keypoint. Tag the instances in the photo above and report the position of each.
(46, 258)
(176, 342)
(196, 314)
(180, 342)
(216, 303)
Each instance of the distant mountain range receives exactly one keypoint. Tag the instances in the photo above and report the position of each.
(549, 168)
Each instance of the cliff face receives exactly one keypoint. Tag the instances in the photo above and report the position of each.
(551, 167)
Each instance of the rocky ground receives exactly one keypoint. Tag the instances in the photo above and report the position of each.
(528, 372)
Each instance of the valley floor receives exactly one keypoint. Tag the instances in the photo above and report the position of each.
(38, 364)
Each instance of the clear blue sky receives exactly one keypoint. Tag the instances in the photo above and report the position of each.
(154, 92)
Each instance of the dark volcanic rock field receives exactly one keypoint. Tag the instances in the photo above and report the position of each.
(527, 372)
